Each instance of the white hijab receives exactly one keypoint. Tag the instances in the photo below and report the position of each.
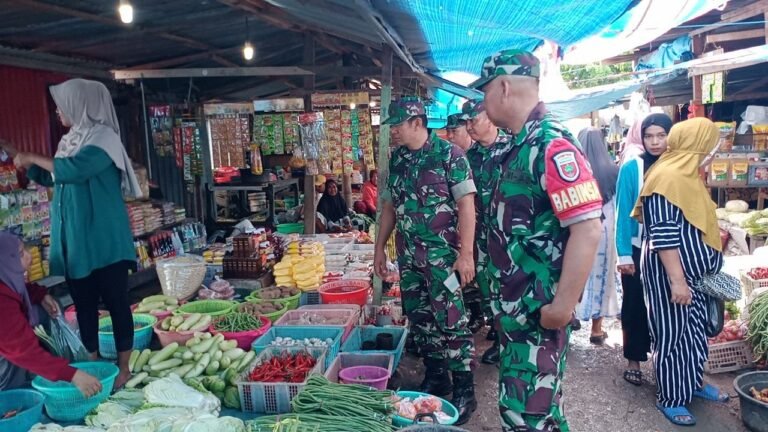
(88, 106)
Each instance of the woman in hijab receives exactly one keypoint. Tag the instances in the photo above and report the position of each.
(681, 244)
(332, 205)
(633, 146)
(600, 298)
(20, 350)
(91, 240)
(634, 315)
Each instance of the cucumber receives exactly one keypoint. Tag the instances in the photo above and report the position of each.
(146, 307)
(136, 380)
(212, 368)
(235, 354)
(166, 324)
(170, 301)
(199, 366)
(142, 360)
(149, 379)
(177, 355)
(228, 345)
(192, 342)
(190, 321)
(203, 346)
(203, 324)
(206, 335)
(246, 361)
(197, 356)
(225, 362)
(156, 298)
(132, 362)
(177, 320)
(188, 355)
(164, 354)
(217, 355)
(183, 369)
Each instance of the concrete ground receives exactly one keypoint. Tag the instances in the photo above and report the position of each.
(597, 399)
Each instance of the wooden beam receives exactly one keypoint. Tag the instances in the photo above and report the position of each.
(739, 14)
(736, 36)
(388, 33)
(113, 22)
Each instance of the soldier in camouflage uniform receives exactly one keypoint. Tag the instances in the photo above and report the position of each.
(486, 138)
(430, 194)
(456, 131)
(545, 211)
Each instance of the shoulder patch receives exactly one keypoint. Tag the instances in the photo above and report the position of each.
(567, 167)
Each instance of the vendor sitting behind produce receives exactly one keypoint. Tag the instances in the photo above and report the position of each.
(334, 208)
(20, 350)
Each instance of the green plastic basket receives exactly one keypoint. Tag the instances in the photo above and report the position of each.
(211, 307)
(291, 228)
(292, 302)
(274, 316)
(65, 403)
(142, 334)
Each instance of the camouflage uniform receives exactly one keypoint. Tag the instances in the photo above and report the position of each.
(423, 187)
(540, 184)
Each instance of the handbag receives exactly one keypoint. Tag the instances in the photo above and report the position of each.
(715, 316)
(720, 285)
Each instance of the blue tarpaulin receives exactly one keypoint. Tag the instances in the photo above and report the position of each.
(461, 33)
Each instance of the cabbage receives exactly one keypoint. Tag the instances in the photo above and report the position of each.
(738, 218)
(172, 392)
(106, 414)
(151, 420)
(764, 212)
(52, 427)
(208, 422)
(129, 398)
(722, 214)
(737, 206)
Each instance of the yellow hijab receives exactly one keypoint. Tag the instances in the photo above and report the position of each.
(676, 177)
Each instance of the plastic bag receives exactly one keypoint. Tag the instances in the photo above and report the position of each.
(67, 341)
(715, 316)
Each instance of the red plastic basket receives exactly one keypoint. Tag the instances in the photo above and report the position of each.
(70, 315)
(348, 291)
(245, 339)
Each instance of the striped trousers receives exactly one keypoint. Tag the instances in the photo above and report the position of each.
(678, 340)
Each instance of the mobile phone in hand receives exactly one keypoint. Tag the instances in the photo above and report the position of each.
(453, 282)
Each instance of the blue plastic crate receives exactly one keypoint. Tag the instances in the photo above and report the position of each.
(141, 337)
(274, 398)
(360, 334)
(298, 332)
(309, 298)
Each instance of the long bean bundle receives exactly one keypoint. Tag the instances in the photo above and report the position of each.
(758, 326)
(317, 423)
(237, 322)
(321, 396)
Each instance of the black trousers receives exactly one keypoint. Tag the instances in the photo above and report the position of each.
(110, 285)
(634, 314)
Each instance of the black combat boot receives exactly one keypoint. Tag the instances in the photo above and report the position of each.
(437, 381)
(492, 354)
(411, 347)
(492, 335)
(476, 317)
(464, 396)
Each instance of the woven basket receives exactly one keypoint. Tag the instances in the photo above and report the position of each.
(181, 277)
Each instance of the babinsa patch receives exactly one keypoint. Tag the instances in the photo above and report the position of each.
(566, 165)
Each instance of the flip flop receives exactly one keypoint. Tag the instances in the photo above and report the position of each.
(711, 393)
(633, 376)
(598, 340)
(674, 414)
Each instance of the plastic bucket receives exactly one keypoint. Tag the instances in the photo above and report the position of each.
(371, 376)
(30, 406)
(345, 292)
(754, 413)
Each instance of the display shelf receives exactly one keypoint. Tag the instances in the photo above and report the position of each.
(271, 189)
(164, 228)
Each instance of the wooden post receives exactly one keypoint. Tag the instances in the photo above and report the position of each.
(310, 214)
(383, 160)
(698, 49)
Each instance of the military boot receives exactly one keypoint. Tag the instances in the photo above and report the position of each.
(492, 354)
(437, 381)
(464, 396)
(476, 317)
(492, 335)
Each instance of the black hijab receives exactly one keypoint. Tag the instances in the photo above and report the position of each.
(661, 120)
(334, 208)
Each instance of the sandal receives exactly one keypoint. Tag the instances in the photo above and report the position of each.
(678, 415)
(633, 376)
(711, 393)
(598, 340)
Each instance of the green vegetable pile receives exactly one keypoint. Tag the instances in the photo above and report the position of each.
(317, 423)
(757, 336)
(237, 322)
(205, 362)
(191, 322)
(321, 396)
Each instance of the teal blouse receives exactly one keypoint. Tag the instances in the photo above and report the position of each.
(89, 222)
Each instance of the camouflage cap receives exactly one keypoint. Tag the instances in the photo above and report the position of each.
(508, 62)
(403, 109)
(472, 108)
(454, 121)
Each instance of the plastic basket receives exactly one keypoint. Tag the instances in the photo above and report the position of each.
(30, 406)
(274, 398)
(345, 292)
(210, 307)
(728, 357)
(64, 402)
(70, 315)
(274, 316)
(180, 277)
(168, 337)
(297, 332)
(345, 360)
(245, 338)
(448, 408)
(309, 298)
(354, 343)
(343, 318)
(292, 302)
(752, 410)
(142, 334)
(750, 285)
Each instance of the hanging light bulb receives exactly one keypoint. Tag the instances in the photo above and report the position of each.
(126, 11)
(248, 51)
